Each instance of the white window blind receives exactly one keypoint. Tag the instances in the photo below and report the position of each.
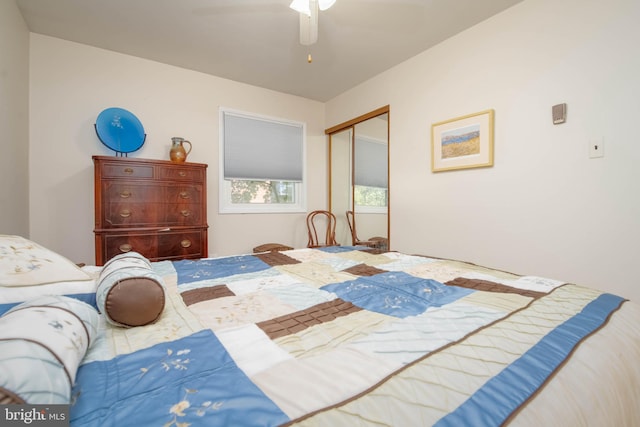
(257, 148)
(370, 163)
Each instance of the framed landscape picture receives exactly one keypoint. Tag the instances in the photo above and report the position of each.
(462, 143)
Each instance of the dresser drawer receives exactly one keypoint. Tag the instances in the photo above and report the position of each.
(181, 173)
(182, 214)
(155, 245)
(128, 214)
(180, 245)
(116, 244)
(131, 192)
(136, 215)
(191, 194)
(120, 170)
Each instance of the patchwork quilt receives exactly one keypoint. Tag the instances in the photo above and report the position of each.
(336, 336)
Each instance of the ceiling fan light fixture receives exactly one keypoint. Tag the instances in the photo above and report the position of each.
(301, 6)
(308, 10)
(325, 4)
(304, 6)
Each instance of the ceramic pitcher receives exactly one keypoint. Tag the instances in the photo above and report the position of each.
(178, 154)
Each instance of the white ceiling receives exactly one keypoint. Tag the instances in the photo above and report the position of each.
(257, 41)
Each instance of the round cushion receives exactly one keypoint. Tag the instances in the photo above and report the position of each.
(129, 292)
(42, 343)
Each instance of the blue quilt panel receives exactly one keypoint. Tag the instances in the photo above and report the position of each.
(492, 404)
(396, 293)
(206, 269)
(190, 381)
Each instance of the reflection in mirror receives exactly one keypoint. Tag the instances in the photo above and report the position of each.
(371, 178)
(340, 172)
(359, 177)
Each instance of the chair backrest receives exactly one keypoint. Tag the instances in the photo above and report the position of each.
(321, 220)
(352, 227)
(381, 243)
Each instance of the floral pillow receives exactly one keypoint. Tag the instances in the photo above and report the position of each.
(42, 343)
(26, 263)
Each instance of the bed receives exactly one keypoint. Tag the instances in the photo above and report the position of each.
(336, 336)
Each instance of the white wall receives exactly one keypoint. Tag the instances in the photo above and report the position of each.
(72, 83)
(14, 121)
(545, 208)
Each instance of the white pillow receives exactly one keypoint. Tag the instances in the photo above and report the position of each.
(42, 343)
(26, 263)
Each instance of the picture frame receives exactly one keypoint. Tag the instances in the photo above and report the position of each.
(463, 142)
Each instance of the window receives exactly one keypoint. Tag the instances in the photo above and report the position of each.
(371, 175)
(261, 164)
(370, 199)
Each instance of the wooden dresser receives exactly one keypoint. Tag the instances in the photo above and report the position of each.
(154, 207)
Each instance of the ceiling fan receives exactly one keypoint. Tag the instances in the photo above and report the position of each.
(308, 10)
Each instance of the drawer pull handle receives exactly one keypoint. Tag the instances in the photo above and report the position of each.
(125, 194)
(182, 173)
(128, 171)
(125, 247)
(184, 195)
(185, 243)
(125, 213)
(185, 213)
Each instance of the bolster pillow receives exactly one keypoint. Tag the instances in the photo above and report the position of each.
(42, 343)
(129, 292)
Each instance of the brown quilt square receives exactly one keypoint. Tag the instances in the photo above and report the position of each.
(300, 320)
(276, 258)
(204, 294)
(363, 270)
(488, 286)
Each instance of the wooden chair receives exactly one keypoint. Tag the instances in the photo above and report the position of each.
(374, 242)
(318, 220)
(355, 241)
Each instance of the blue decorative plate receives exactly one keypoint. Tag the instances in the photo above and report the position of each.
(120, 130)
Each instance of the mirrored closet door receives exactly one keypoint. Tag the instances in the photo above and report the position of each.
(359, 179)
